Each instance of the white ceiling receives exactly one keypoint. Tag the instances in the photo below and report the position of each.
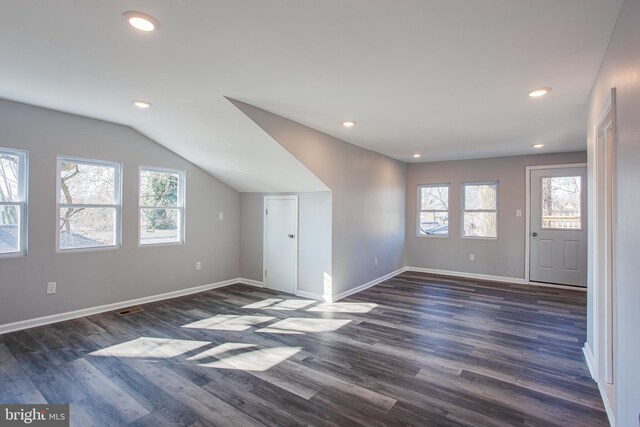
(447, 78)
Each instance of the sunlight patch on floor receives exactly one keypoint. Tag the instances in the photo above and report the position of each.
(264, 303)
(296, 325)
(155, 348)
(254, 360)
(222, 348)
(229, 322)
(344, 307)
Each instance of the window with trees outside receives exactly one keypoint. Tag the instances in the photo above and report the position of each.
(480, 210)
(433, 210)
(13, 202)
(161, 206)
(88, 204)
(561, 202)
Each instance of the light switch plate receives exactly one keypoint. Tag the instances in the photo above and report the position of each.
(51, 288)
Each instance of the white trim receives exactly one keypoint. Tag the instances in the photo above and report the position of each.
(118, 180)
(420, 210)
(22, 204)
(603, 255)
(463, 208)
(60, 317)
(489, 278)
(588, 356)
(368, 284)
(465, 275)
(251, 282)
(551, 285)
(607, 405)
(310, 295)
(527, 208)
(181, 208)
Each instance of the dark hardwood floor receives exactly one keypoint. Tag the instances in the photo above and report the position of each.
(414, 350)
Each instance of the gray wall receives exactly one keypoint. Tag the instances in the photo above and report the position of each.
(620, 69)
(89, 279)
(503, 257)
(314, 240)
(368, 197)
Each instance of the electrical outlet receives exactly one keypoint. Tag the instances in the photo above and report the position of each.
(518, 213)
(375, 261)
(51, 288)
(198, 266)
(220, 216)
(472, 257)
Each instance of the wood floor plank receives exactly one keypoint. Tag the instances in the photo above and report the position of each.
(416, 349)
(95, 383)
(205, 404)
(16, 387)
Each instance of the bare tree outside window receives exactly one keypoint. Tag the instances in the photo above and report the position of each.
(561, 202)
(12, 201)
(88, 207)
(480, 210)
(433, 206)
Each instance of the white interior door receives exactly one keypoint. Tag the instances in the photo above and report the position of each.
(558, 226)
(280, 257)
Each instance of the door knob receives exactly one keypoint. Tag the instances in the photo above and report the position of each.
(534, 234)
(291, 236)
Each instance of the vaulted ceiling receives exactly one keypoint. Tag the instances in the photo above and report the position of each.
(446, 78)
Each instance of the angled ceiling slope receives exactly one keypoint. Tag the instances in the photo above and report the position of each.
(448, 78)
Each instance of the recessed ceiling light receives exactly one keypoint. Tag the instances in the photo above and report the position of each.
(141, 104)
(537, 146)
(537, 93)
(417, 155)
(141, 21)
(348, 123)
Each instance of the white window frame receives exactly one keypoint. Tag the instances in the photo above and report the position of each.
(117, 185)
(23, 200)
(420, 210)
(464, 209)
(182, 179)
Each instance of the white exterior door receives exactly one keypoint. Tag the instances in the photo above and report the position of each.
(558, 226)
(280, 258)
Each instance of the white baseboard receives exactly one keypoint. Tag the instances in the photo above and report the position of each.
(250, 282)
(310, 295)
(60, 317)
(487, 277)
(607, 405)
(551, 285)
(368, 284)
(588, 356)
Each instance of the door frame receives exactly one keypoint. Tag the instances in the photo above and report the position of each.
(295, 198)
(527, 210)
(604, 255)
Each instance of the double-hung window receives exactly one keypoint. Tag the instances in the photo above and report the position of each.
(89, 204)
(13, 202)
(480, 210)
(161, 206)
(433, 210)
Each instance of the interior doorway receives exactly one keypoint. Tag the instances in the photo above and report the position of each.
(605, 248)
(280, 249)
